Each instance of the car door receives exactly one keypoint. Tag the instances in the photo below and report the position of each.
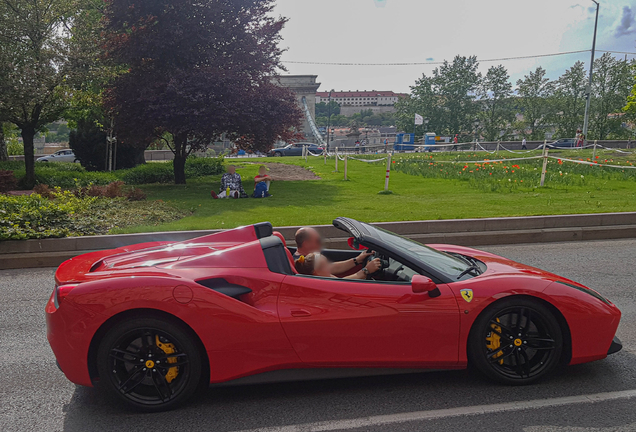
(342, 322)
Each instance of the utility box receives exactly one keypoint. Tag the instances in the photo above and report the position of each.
(404, 142)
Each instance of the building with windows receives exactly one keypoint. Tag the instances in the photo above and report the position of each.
(360, 98)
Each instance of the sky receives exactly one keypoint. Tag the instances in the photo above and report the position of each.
(403, 31)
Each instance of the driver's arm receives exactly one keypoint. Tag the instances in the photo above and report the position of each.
(372, 267)
(341, 267)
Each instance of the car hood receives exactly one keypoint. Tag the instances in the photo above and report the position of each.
(501, 267)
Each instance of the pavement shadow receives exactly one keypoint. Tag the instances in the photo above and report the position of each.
(265, 405)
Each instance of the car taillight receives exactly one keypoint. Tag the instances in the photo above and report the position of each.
(60, 294)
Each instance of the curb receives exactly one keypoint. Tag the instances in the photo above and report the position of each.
(464, 232)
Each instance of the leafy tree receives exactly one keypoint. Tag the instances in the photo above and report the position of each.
(4, 154)
(35, 63)
(533, 91)
(456, 83)
(611, 86)
(423, 101)
(495, 91)
(323, 109)
(446, 98)
(569, 100)
(197, 70)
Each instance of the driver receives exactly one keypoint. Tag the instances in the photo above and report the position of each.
(308, 240)
(316, 264)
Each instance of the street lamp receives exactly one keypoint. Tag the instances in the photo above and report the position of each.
(426, 120)
(586, 119)
(329, 118)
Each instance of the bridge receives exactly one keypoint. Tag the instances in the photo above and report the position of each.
(305, 87)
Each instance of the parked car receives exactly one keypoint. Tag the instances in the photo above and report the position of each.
(151, 323)
(563, 143)
(295, 150)
(59, 156)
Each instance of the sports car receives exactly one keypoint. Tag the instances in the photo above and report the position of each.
(153, 323)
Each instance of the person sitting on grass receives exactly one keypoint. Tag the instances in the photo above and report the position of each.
(316, 264)
(261, 183)
(231, 181)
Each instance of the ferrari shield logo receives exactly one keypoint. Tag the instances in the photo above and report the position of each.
(467, 294)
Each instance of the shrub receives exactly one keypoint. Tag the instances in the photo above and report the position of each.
(88, 142)
(135, 194)
(33, 216)
(43, 190)
(14, 147)
(148, 173)
(113, 190)
(7, 181)
(199, 167)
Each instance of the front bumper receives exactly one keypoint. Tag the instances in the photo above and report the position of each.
(615, 347)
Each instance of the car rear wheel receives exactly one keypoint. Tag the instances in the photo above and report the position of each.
(516, 341)
(151, 364)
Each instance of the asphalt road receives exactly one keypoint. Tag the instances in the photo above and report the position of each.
(35, 396)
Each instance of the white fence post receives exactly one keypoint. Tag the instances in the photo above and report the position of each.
(498, 144)
(345, 173)
(388, 171)
(545, 162)
(594, 153)
(336, 160)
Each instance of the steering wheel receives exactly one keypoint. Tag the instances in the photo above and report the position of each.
(383, 263)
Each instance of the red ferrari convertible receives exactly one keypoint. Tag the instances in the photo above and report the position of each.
(154, 322)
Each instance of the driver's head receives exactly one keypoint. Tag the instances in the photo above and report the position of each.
(308, 240)
(314, 264)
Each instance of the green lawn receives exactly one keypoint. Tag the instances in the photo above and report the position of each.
(415, 197)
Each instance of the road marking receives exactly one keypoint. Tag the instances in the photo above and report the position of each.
(383, 420)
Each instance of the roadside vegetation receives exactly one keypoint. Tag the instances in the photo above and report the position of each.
(415, 196)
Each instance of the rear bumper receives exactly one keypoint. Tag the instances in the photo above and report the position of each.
(615, 347)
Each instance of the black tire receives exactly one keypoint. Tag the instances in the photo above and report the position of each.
(76, 161)
(133, 368)
(278, 154)
(534, 341)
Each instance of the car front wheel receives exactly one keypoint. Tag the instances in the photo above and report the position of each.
(151, 364)
(516, 341)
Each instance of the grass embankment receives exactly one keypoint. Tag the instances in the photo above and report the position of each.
(417, 193)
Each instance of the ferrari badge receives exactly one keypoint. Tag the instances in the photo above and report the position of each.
(467, 294)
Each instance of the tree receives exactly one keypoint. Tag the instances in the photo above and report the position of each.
(34, 66)
(533, 91)
(323, 109)
(569, 100)
(456, 83)
(611, 86)
(495, 91)
(446, 98)
(196, 71)
(4, 154)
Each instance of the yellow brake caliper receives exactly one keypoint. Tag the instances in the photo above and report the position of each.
(168, 348)
(494, 341)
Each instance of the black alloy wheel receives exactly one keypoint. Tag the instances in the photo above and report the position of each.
(516, 341)
(151, 364)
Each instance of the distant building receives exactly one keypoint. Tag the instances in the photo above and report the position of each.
(360, 98)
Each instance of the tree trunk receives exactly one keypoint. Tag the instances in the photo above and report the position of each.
(180, 143)
(29, 156)
(4, 154)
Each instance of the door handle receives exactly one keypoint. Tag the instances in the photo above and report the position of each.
(300, 313)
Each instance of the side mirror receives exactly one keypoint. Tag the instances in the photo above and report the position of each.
(353, 244)
(422, 284)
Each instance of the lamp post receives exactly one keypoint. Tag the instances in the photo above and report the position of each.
(328, 118)
(586, 119)
(426, 120)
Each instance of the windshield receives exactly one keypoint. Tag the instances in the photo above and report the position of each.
(446, 264)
